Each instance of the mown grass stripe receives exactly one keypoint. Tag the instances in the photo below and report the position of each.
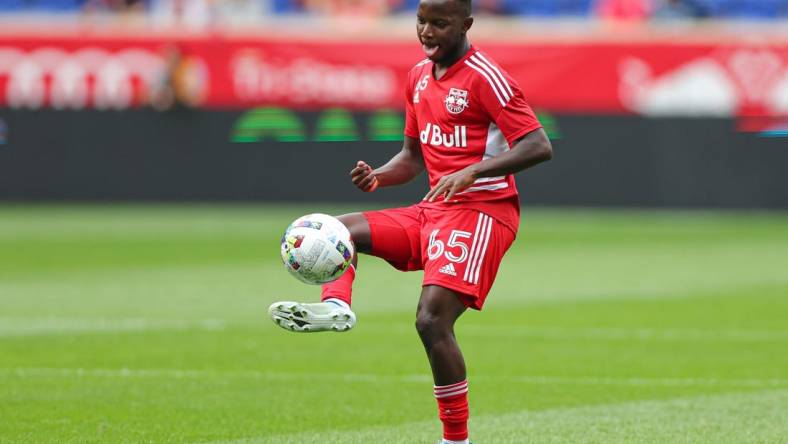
(56, 326)
(32, 372)
(736, 418)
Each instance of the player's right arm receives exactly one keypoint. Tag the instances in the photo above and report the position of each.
(402, 168)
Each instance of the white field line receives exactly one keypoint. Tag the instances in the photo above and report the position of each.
(33, 372)
(46, 326)
(671, 334)
(612, 333)
(729, 418)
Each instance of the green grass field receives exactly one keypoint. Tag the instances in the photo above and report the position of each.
(148, 324)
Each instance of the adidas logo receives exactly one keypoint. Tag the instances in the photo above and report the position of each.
(448, 269)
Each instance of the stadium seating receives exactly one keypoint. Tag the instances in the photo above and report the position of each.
(726, 9)
(747, 8)
(284, 6)
(41, 5)
(13, 5)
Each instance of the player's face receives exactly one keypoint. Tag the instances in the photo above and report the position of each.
(441, 27)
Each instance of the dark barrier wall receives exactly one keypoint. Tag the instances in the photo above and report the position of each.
(606, 161)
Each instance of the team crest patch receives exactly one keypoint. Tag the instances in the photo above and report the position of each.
(456, 101)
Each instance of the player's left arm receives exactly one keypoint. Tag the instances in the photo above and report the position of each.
(527, 151)
(505, 105)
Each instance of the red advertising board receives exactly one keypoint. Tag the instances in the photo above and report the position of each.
(649, 78)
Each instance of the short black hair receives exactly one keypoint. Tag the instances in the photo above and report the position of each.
(465, 7)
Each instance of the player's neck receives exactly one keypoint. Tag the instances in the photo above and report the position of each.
(439, 69)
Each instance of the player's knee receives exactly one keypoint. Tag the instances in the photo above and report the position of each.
(358, 226)
(431, 327)
(423, 325)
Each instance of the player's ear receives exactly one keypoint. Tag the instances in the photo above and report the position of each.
(467, 23)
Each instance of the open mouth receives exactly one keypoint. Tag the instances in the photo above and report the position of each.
(430, 50)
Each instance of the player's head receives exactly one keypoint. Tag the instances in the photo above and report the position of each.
(442, 27)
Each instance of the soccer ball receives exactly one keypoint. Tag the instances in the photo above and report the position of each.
(316, 249)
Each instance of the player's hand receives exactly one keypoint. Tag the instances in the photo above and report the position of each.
(363, 177)
(450, 185)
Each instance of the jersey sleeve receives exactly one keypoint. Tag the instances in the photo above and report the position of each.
(411, 125)
(503, 101)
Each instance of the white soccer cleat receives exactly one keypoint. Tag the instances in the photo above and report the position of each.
(330, 315)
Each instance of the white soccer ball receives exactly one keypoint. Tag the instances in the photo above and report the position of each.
(316, 249)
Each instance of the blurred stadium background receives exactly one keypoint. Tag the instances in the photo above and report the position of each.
(151, 152)
(650, 102)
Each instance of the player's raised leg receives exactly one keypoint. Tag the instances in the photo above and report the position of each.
(438, 310)
(333, 313)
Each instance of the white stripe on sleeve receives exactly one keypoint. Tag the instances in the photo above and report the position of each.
(500, 74)
(496, 80)
(489, 80)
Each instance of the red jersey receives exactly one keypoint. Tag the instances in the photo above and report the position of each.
(474, 112)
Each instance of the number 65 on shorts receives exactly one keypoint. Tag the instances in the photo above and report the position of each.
(460, 249)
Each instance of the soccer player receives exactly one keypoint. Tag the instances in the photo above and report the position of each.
(468, 125)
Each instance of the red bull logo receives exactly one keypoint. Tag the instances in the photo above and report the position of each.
(433, 135)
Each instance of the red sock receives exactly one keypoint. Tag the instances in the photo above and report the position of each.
(453, 410)
(341, 288)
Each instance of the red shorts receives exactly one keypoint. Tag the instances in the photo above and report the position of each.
(460, 249)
